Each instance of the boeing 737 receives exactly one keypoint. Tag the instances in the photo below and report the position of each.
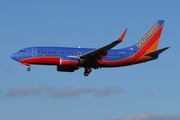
(68, 59)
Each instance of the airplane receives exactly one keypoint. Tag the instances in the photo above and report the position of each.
(68, 59)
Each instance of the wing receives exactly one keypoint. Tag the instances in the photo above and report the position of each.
(99, 53)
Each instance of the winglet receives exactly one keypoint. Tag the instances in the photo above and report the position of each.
(103, 50)
(121, 38)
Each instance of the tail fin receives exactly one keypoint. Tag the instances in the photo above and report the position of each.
(149, 42)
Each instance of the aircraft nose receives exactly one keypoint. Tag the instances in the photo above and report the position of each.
(14, 57)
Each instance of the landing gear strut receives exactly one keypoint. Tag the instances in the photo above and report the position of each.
(29, 69)
(87, 71)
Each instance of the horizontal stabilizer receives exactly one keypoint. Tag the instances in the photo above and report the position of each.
(157, 52)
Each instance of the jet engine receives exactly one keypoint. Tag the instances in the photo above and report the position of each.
(68, 61)
(68, 64)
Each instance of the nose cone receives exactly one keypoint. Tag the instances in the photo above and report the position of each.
(14, 56)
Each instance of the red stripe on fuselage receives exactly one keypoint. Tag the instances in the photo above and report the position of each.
(42, 60)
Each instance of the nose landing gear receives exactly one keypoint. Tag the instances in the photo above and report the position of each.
(87, 71)
(29, 69)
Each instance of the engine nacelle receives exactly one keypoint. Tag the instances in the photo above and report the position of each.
(68, 64)
(68, 61)
(66, 68)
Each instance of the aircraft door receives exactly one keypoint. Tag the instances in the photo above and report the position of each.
(79, 54)
(131, 56)
(34, 52)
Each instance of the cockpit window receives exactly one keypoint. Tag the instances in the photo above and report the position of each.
(22, 51)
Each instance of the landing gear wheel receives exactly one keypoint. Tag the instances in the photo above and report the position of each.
(86, 73)
(28, 69)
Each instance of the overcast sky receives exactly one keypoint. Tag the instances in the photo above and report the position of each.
(148, 91)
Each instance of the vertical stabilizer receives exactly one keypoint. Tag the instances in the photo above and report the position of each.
(149, 42)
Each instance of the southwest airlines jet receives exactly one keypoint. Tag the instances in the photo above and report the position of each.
(68, 59)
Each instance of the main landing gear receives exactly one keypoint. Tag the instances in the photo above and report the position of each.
(87, 71)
